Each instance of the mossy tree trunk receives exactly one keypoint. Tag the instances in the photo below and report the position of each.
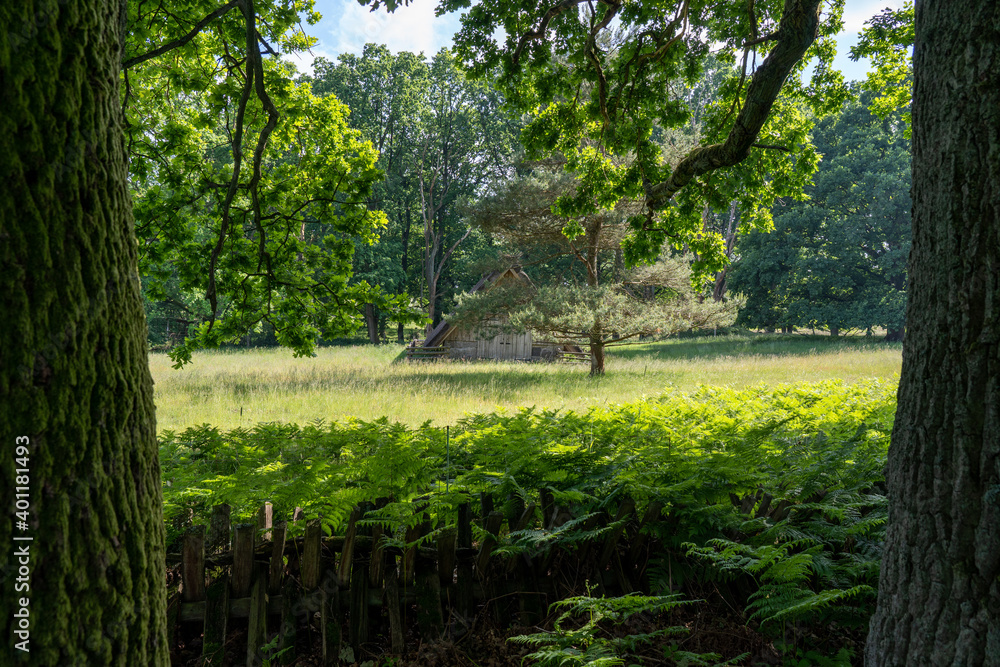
(939, 593)
(74, 378)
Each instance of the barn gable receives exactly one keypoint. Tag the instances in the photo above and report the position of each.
(472, 343)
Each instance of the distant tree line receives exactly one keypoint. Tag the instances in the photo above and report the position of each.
(837, 260)
(447, 194)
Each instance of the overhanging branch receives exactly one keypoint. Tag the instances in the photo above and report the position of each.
(181, 41)
(796, 32)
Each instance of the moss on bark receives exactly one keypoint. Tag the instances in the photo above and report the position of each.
(74, 377)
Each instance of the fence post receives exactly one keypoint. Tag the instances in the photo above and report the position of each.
(242, 560)
(193, 568)
(220, 531)
(257, 629)
(465, 555)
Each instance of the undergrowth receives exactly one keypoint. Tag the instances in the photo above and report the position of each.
(772, 498)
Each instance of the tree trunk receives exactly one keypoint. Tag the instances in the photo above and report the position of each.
(719, 288)
(400, 333)
(75, 388)
(596, 351)
(893, 336)
(371, 321)
(939, 592)
(431, 295)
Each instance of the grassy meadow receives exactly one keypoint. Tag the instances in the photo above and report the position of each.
(243, 387)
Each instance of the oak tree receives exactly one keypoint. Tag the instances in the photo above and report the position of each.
(939, 588)
(75, 388)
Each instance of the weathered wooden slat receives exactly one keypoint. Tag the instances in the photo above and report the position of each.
(485, 507)
(193, 570)
(242, 560)
(358, 615)
(513, 508)
(238, 608)
(765, 505)
(780, 510)
(257, 628)
(378, 555)
(527, 516)
(310, 564)
(413, 533)
(465, 557)
(749, 501)
(446, 556)
(175, 616)
(428, 590)
(347, 552)
(216, 615)
(276, 569)
(396, 640)
(265, 520)
(330, 620)
(522, 523)
(219, 532)
(288, 630)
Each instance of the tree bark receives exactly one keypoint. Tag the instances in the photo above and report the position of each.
(596, 351)
(894, 336)
(371, 322)
(75, 386)
(400, 333)
(596, 339)
(939, 592)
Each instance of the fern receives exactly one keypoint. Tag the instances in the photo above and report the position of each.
(588, 645)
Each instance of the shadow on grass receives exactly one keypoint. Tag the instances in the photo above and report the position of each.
(776, 345)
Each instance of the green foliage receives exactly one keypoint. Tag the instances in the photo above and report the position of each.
(603, 82)
(774, 496)
(248, 190)
(839, 259)
(586, 645)
(887, 40)
(440, 136)
(271, 653)
(652, 301)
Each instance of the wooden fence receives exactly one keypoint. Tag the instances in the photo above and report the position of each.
(415, 353)
(347, 590)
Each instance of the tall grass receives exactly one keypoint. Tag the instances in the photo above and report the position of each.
(239, 388)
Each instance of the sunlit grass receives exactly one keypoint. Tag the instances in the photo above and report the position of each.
(239, 388)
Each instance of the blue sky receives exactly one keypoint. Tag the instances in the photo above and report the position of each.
(347, 26)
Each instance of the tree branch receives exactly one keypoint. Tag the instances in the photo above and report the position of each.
(539, 33)
(181, 41)
(797, 31)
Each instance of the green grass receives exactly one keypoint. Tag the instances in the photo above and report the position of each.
(240, 388)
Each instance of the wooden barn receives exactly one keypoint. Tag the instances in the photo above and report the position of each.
(476, 343)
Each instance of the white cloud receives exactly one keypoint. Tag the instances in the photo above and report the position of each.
(347, 26)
